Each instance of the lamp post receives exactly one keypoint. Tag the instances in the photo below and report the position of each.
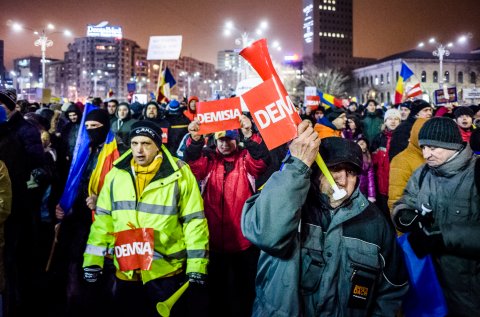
(43, 41)
(245, 39)
(189, 81)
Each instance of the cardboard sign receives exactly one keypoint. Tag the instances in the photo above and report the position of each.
(164, 135)
(219, 115)
(274, 113)
(440, 95)
(134, 249)
(164, 47)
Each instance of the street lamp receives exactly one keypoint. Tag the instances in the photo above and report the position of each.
(189, 81)
(442, 51)
(244, 40)
(43, 41)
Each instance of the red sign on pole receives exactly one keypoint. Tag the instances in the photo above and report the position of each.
(134, 249)
(313, 102)
(273, 112)
(219, 115)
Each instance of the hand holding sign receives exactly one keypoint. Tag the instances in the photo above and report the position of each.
(305, 146)
(193, 128)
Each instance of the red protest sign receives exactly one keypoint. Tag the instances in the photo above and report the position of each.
(274, 113)
(164, 135)
(312, 102)
(219, 115)
(134, 249)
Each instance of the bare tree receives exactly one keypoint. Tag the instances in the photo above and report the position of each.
(327, 80)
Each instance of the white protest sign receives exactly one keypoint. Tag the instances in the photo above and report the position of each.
(164, 47)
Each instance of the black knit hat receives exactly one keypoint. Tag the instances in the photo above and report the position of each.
(149, 129)
(461, 111)
(417, 106)
(333, 113)
(99, 115)
(8, 97)
(440, 132)
(335, 150)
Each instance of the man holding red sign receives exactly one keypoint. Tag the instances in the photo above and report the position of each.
(227, 176)
(150, 212)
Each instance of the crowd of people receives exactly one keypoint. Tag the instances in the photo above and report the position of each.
(252, 231)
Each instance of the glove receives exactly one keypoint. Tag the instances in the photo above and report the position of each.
(424, 242)
(425, 216)
(197, 278)
(92, 274)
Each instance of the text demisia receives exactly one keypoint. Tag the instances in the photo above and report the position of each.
(219, 115)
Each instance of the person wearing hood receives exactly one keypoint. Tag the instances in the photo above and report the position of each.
(70, 130)
(404, 164)
(440, 208)
(332, 123)
(372, 120)
(317, 258)
(227, 175)
(191, 111)
(121, 127)
(112, 106)
(178, 125)
(418, 109)
(73, 233)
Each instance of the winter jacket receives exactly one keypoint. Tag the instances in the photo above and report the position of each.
(367, 177)
(326, 129)
(372, 124)
(306, 265)
(453, 196)
(170, 204)
(379, 150)
(400, 137)
(177, 130)
(404, 164)
(121, 128)
(227, 182)
(5, 208)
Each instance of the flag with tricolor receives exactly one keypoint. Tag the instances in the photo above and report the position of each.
(405, 74)
(414, 91)
(165, 82)
(330, 100)
(106, 157)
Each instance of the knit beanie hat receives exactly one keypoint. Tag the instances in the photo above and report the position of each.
(461, 111)
(392, 113)
(149, 129)
(417, 106)
(475, 141)
(232, 134)
(440, 132)
(333, 113)
(174, 105)
(335, 150)
(8, 97)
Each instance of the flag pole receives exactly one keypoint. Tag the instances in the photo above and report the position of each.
(158, 78)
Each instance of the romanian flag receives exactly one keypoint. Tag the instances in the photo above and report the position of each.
(106, 157)
(329, 100)
(405, 74)
(79, 163)
(414, 91)
(165, 82)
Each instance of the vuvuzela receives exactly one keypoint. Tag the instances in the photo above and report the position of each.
(165, 307)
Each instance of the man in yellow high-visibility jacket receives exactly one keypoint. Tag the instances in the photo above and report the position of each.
(149, 216)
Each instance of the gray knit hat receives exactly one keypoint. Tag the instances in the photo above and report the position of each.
(440, 132)
(8, 96)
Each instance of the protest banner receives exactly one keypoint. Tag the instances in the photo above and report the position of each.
(219, 115)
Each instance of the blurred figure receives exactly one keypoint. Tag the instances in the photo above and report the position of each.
(464, 119)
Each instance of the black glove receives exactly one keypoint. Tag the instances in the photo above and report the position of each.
(425, 216)
(197, 278)
(425, 242)
(92, 274)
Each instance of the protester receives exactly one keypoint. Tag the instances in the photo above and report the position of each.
(367, 177)
(69, 132)
(372, 120)
(440, 207)
(464, 119)
(5, 209)
(121, 127)
(380, 148)
(112, 106)
(178, 125)
(191, 111)
(148, 188)
(419, 109)
(227, 176)
(315, 250)
(475, 141)
(354, 128)
(404, 164)
(76, 298)
(332, 123)
(352, 107)
(404, 108)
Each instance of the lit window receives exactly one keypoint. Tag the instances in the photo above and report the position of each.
(329, 34)
(321, 33)
(343, 36)
(333, 8)
(329, 8)
(320, 7)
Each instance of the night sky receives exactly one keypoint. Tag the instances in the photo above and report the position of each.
(381, 27)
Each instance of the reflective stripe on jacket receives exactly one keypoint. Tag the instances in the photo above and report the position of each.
(171, 204)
